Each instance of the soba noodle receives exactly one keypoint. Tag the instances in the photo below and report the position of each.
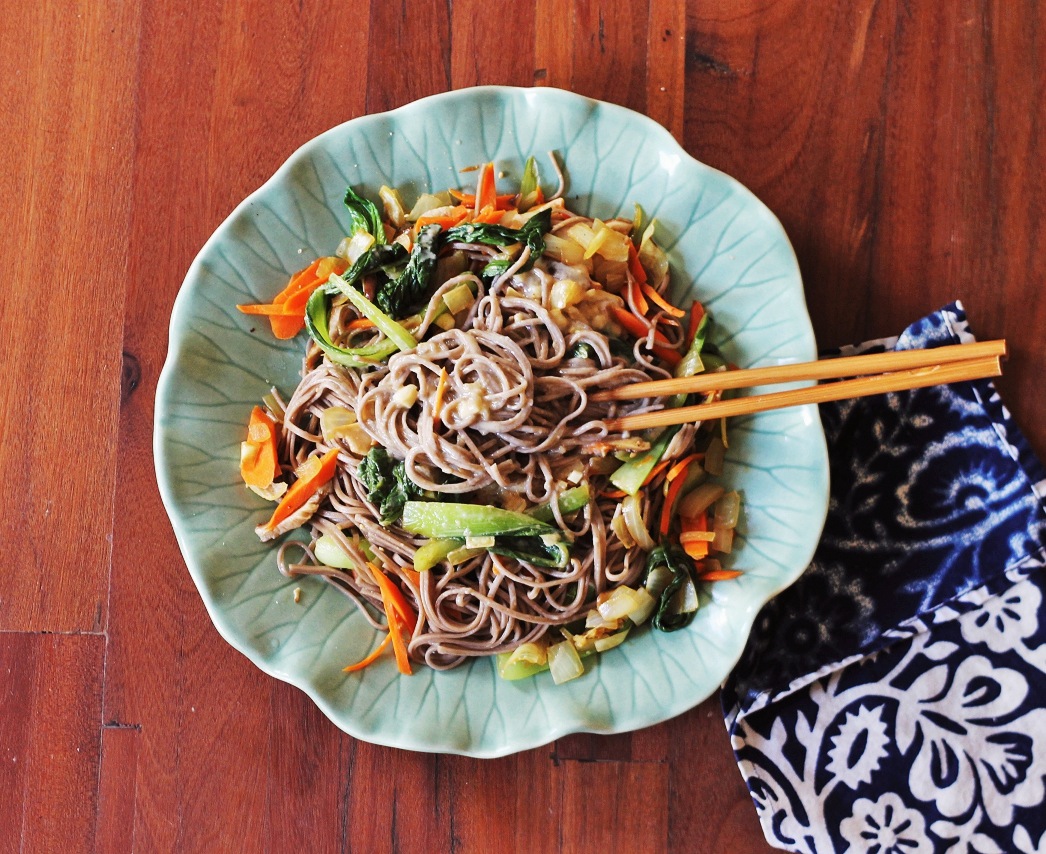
(494, 409)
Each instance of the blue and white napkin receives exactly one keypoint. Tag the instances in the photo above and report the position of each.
(894, 699)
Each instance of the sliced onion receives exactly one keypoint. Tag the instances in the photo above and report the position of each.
(724, 540)
(657, 580)
(685, 600)
(698, 500)
(632, 511)
(603, 644)
(619, 604)
(529, 653)
(714, 455)
(563, 662)
(727, 510)
(620, 529)
(646, 606)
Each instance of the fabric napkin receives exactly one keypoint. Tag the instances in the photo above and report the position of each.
(894, 699)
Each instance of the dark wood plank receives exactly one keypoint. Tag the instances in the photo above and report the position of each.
(117, 789)
(666, 64)
(616, 805)
(50, 717)
(898, 143)
(408, 53)
(479, 54)
(68, 75)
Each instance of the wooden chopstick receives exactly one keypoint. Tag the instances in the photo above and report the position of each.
(824, 369)
(949, 372)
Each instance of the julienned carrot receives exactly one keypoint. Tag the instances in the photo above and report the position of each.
(469, 199)
(689, 524)
(313, 474)
(444, 221)
(683, 465)
(286, 312)
(488, 215)
(634, 325)
(635, 295)
(659, 300)
(486, 191)
(667, 354)
(720, 575)
(361, 323)
(656, 470)
(408, 616)
(697, 311)
(674, 485)
(259, 465)
(370, 659)
(396, 624)
(634, 266)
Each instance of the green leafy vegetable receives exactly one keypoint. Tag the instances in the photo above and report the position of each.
(533, 550)
(398, 295)
(532, 234)
(629, 476)
(388, 485)
(528, 185)
(667, 617)
(364, 216)
(391, 329)
(569, 502)
(692, 362)
(581, 350)
(317, 321)
(447, 519)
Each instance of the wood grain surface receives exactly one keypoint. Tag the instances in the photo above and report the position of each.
(900, 143)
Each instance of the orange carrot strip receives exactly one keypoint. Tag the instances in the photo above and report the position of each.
(668, 506)
(370, 659)
(437, 403)
(697, 311)
(633, 324)
(469, 199)
(488, 215)
(690, 524)
(636, 297)
(683, 465)
(274, 309)
(614, 493)
(361, 323)
(486, 192)
(445, 221)
(655, 471)
(673, 357)
(260, 467)
(656, 298)
(720, 575)
(634, 266)
(304, 487)
(393, 617)
(415, 577)
(402, 607)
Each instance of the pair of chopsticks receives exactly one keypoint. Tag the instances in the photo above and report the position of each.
(875, 373)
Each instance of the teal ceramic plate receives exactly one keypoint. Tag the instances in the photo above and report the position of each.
(725, 247)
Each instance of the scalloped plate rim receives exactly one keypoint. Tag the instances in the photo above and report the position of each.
(179, 317)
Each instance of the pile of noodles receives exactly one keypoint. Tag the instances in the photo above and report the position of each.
(516, 427)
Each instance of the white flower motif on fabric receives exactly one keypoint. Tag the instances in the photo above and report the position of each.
(1004, 622)
(859, 746)
(964, 750)
(885, 826)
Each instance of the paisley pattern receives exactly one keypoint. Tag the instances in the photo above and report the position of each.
(894, 699)
(728, 249)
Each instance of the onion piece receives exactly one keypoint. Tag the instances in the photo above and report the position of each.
(727, 509)
(697, 501)
(632, 511)
(724, 540)
(620, 529)
(714, 455)
(646, 606)
(603, 644)
(563, 662)
(619, 604)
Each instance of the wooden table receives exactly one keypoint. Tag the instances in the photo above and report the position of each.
(900, 143)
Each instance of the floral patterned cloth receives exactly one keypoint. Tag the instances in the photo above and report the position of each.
(894, 699)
